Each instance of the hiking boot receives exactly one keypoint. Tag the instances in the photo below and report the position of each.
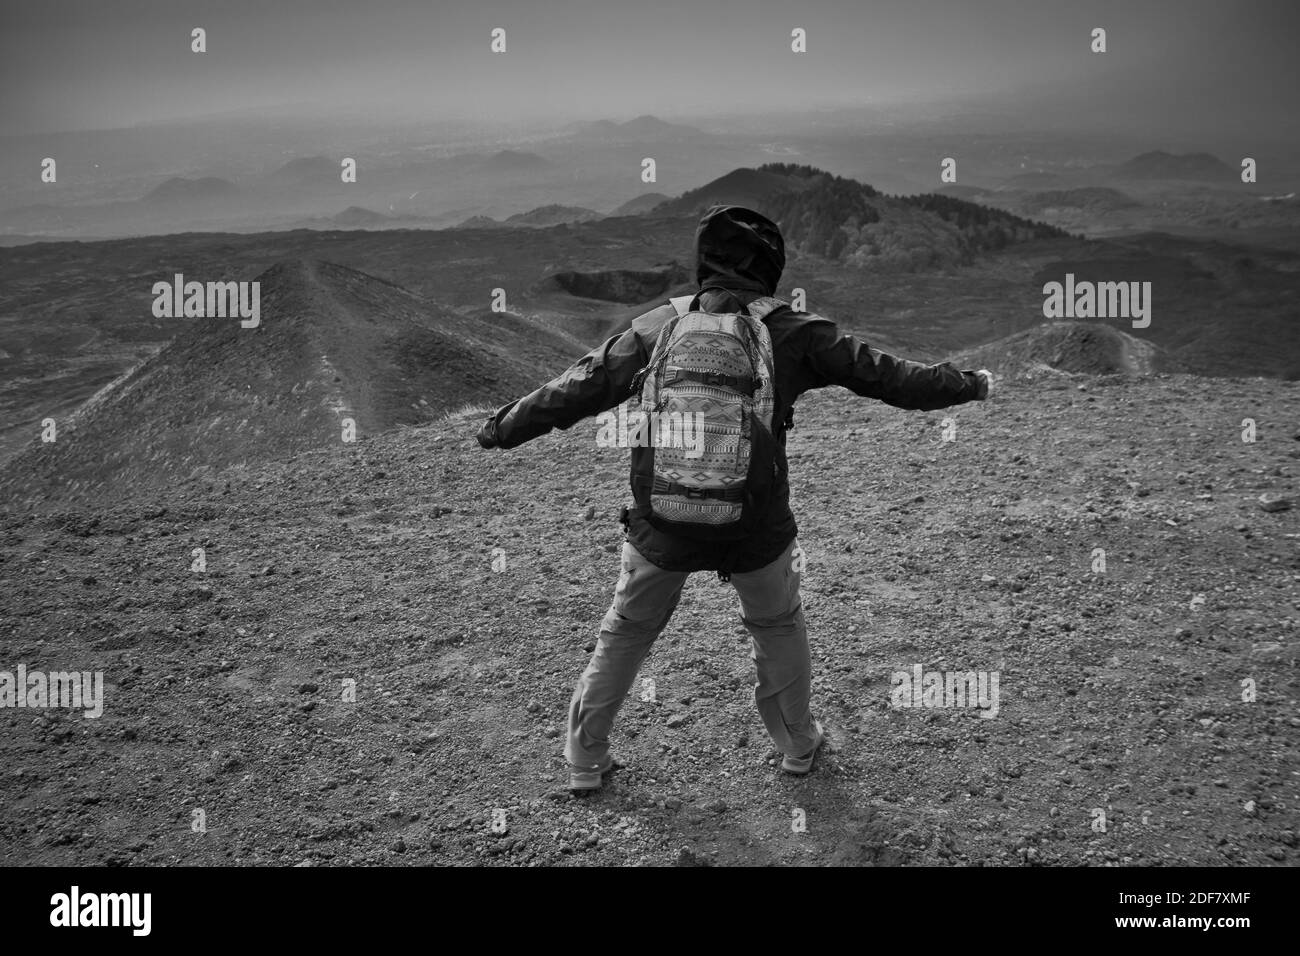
(590, 778)
(802, 765)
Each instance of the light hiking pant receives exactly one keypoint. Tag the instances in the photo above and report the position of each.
(644, 600)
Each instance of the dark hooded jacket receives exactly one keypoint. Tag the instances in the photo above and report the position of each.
(740, 256)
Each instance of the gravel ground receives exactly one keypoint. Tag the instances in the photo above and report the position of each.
(1121, 734)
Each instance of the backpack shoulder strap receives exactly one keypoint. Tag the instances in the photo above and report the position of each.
(764, 306)
(682, 303)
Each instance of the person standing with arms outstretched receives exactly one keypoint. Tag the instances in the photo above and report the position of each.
(727, 366)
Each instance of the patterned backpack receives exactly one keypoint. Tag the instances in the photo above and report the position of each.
(707, 400)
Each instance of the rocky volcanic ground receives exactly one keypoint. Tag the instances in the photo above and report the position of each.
(1121, 693)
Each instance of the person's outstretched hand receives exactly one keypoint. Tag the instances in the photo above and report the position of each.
(487, 435)
(986, 384)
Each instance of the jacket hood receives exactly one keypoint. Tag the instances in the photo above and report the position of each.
(737, 248)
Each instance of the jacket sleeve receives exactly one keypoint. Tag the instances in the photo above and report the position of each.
(833, 358)
(600, 380)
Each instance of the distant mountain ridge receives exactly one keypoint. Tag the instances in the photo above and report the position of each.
(641, 129)
(1191, 166)
(307, 171)
(641, 204)
(843, 220)
(552, 215)
(359, 216)
(481, 222)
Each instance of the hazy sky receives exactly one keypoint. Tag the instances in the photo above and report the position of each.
(74, 64)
